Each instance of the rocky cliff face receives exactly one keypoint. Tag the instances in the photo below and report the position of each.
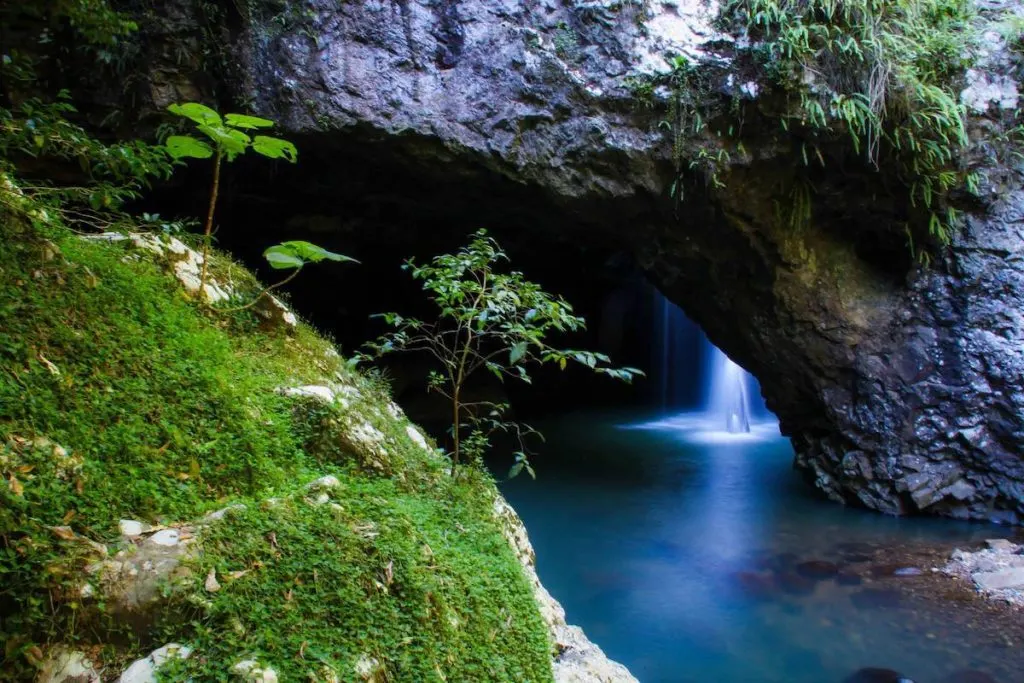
(900, 386)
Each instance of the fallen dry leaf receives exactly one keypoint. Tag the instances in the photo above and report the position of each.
(16, 487)
(64, 533)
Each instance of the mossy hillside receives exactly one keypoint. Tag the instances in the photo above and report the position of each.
(168, 412)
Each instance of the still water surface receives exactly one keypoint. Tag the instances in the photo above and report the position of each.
(674, 547)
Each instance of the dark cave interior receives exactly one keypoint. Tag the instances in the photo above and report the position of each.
(382, 213)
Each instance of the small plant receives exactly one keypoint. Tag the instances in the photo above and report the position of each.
(292, 256)
(225, 138)
(885, 75)
(488, 321)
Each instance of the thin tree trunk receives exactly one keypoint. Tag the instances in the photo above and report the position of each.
(455, 429)
(209, 223)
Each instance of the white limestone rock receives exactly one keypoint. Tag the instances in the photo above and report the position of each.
(251, 671)
(131, 528)
(145, 670)
(64, 665)
(165, 537)
(417, 438)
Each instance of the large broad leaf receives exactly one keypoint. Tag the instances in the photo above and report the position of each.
(231, 142)
(281, 258)
(311, 252)
(183, 146)
(199, 113)
(275, 148)
(296, 254)
(247, 122)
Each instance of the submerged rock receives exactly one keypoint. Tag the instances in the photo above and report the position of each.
(817, 569)
(873, 675)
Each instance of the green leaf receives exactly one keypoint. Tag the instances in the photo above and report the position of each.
(282, 258)
(516, 353)
(231, 142)
(297, 253)
(515, 470)
(275, 148)
(247, 122)
(314, 253)
(199, 113)
(185, 146)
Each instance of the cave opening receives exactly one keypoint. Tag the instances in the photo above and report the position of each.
(384, 202)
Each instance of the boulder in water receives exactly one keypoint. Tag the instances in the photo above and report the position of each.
(817, 569)
(875, 675)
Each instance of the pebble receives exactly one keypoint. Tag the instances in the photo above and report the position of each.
(908, 571)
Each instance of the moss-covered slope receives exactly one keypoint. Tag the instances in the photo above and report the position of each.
(122, 398)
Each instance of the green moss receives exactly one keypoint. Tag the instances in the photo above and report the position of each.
(168, 412)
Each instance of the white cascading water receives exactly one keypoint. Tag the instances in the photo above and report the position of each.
(728, 401)
(700, 388)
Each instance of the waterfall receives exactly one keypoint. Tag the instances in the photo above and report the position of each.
(728, 402)
(694, 376)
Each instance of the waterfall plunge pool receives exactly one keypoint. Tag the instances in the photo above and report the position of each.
(681, 549)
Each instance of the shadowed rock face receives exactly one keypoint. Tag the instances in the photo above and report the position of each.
(902, 388)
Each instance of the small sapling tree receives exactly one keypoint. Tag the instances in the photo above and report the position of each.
(225, 138)
(488, 321)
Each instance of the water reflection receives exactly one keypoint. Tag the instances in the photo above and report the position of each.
(679, 549)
